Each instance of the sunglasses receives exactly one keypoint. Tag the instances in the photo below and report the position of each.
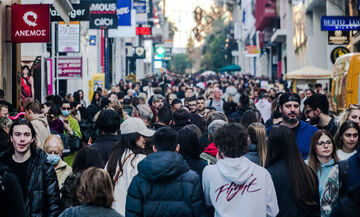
(308, 111)
(68, 108)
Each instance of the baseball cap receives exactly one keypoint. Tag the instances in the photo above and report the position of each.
(287, 97)
(135, 125)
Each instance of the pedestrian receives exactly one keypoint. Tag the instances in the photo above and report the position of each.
(37, 178)
(124, 158)
(38, 121)
(108, 124)
(5, 124)
(290, 108)
(85, 158)
(165, 172)
(295, 183)
(347, 140)
(322, 156)
(342, 177)
(54, 148)
(11, 198)
(190, 148)
(264, 106)
(95, 193)
(257, 148)
(235, 186)
(317, 110)
(351, 113)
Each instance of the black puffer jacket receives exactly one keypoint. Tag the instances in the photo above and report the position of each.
(165, 186)
(43, 197)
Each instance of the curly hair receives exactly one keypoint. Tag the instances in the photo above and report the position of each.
(231, 140)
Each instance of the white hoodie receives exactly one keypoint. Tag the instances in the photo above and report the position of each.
(237, 187)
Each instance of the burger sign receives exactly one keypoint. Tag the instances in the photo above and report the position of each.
(30, 23)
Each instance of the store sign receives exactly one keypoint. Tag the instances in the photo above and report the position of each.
(30, 23)
(252, 51)
(69, 67)
(143, 31)
(139, 53)
(337, 52)
(124, 12)
(140, 6)
(332, 23)
(103, 15)
(338, 37)
(69, 37)
(80, 12)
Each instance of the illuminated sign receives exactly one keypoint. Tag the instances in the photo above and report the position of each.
(143, 31)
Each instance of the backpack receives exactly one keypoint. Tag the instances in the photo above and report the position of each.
(344, 172)
(211, 101)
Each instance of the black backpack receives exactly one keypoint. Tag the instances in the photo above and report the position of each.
(344, 172)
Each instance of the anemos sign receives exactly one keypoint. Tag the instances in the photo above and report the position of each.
(30, 23)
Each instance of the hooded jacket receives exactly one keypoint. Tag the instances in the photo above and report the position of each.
(239, 187)
(165, 186)
(42, 129)
(43, 197)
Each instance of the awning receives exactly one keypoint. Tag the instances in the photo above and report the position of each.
(309, 73)
(64, 7)
(230, 68)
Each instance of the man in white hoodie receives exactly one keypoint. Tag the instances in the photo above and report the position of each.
(235, 186)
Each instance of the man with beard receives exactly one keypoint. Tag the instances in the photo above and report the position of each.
(317, 110)
(290, 108)
(200, 102)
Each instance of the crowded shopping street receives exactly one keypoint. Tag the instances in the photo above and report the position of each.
(166, 108)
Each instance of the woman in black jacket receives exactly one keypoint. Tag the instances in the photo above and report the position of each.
(295, 183)
(37, 178)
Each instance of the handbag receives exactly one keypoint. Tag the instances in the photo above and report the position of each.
(74, 142)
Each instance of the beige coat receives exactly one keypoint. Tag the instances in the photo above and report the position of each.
(62, 171)
(42, 129)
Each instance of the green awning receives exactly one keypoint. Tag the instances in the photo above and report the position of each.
(230, 68)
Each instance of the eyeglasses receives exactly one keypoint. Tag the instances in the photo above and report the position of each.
(191, 105)
(68, 108)
(308, 111)
(328, 142)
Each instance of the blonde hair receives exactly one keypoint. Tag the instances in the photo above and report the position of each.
(59, 142)
(257, 134)
(344, 116)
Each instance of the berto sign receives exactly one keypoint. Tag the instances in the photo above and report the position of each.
(30, 23)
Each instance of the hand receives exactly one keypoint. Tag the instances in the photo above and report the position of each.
(67, 127)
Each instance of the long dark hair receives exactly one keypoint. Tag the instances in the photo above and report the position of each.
(87, 157)
(314, 162)
(93, 100)
(22, 122)
(189, 144)
(283, 146)
(127, 141)
(344, 127)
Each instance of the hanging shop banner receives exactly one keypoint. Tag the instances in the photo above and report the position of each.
(69, 37)
(30, 23)
(337, 52)
(338, 37)
(124, 12)
(332, 23)
(252, 51)
(103, 15)
(69, 67)
(80, 12)
(140, 6)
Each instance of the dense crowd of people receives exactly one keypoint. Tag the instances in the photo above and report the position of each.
(193, 145)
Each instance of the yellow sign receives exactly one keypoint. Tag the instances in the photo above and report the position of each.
(97, 81)
(131, 77)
